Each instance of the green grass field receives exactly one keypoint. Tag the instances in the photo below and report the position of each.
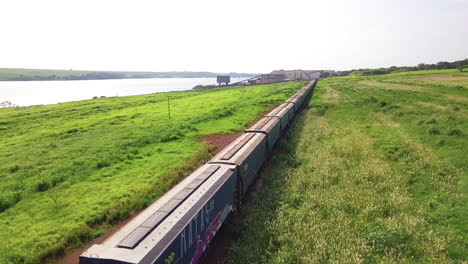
(69, 171)
(374, 170)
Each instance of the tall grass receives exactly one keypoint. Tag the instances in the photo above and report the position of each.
(361, 179)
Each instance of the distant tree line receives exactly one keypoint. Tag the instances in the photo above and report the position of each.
(121, 75)
(53, 77)
(443, 65)
(6, 104)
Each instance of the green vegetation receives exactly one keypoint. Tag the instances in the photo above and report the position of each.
(442, 65)
(372, 72)
(40, 75)
(373, 171)
(71, 170)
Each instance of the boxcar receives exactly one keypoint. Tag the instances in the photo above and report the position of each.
(307, 89)
(300, 100)
(291, 110)
(282, 114)
(248, 152)
(178, 227)
(271, 127)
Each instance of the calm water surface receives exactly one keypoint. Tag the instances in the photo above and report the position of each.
(52, 92)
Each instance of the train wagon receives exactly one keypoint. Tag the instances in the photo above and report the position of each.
(282, 114)
(178, 227)
(271, 127)
(248, 152)
(307, 89)
(291, 110)
(295, 100)
(300, 100)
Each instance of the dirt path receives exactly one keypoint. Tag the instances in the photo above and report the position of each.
(221, 141)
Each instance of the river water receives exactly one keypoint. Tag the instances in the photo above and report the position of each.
(25, 93)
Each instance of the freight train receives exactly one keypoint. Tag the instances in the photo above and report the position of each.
(180, 225)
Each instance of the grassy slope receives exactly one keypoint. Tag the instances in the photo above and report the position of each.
(373, 171)
(67, 168)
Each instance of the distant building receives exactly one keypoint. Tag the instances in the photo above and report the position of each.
(272, 78)
(327, 73)
(299, 75)
(284, 76)
(220, 79)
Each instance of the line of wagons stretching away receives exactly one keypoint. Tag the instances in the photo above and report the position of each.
(180, 226)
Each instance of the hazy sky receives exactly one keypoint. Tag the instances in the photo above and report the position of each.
(239, 35)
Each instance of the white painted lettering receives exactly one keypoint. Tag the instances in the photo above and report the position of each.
(212, 205)
(202, 221)
(190, 235)
(196, 225)
(183, 248)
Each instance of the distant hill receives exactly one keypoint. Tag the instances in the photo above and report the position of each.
(10, 74)
(442, 65)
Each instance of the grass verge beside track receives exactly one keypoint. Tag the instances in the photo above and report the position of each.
(374, 170)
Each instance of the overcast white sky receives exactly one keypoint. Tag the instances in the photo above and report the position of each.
(238, 35)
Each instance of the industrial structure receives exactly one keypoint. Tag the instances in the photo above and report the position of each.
(220, 79)
(278, 76)
(289, 75)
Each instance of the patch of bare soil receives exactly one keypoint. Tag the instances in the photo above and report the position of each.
(221, 141)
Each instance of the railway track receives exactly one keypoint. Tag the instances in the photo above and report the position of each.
(180, 226)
